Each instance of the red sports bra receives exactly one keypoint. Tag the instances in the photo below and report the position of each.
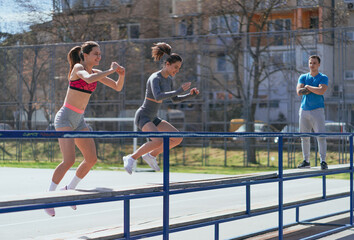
(82, 86)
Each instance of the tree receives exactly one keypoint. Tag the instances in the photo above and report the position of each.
(66, 21)
(78, 21)
(241, 27)
(30, 76)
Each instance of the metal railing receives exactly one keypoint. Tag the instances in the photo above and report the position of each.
(167, 191)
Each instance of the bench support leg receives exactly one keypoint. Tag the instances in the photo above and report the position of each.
(280, 188)
(324, 193)
(248, 198)
(351, 179)
(166, 187)
(297, 214)
(216, 231)
(127, 219)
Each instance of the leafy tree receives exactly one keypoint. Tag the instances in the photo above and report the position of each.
(241, 27)
(70, 22)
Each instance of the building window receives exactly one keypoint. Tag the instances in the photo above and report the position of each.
(279, 25)
(307, 3)
(223, 24)
(349, 75)
(350, 35)
(185, 27)
(268, 3)
(224, 64)
(314, 22)
(126, 2)
(129, 31)
(221, 64)
(96, 4)
(281, 60)
(84, 4)
(269, 104)
(134, 31)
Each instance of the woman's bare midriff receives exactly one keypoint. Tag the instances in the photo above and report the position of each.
(77, 99)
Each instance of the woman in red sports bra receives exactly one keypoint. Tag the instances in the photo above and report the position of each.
(82, 82)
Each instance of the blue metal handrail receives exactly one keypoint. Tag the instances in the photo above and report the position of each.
(106, 134)
(166, 176)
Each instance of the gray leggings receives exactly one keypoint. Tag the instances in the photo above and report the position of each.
(66, 117)
(308, 120)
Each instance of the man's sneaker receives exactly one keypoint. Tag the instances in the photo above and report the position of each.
(324, 166)
(128, 163)
(66, 188)
(151, 160)
(50, 211)
(304, 164)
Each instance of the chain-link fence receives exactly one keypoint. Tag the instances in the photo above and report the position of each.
(34, 83)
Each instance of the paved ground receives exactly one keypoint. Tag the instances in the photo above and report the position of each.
(37, 225)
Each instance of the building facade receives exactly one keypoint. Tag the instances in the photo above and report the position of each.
(218, 45)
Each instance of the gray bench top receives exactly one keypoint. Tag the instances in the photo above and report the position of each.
(111, 232)
(88, 194)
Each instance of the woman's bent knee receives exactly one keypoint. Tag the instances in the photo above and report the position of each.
(177, 141)
(67, 163)
(91, 161)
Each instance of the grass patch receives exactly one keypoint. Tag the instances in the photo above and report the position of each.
(173, 168)
(212, 159)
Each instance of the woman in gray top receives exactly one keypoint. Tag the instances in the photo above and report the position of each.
(158, 88)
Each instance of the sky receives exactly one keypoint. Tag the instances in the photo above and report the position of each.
(13, 19)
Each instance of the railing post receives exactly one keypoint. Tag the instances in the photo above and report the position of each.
(351, 178)
(166, 187)
(216, 231)
(280, 187)
(297, 214)
(126, 219)
(324, 187)
(248, 198)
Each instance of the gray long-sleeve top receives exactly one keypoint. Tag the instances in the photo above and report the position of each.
(160, 88)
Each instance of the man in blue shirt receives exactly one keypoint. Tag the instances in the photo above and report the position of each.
(311, 86)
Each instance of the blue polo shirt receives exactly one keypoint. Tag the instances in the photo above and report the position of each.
(312, 101)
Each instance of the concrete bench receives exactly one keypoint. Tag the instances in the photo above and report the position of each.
(99, 193)
(148, 227)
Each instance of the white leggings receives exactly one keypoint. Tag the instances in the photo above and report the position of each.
(308, 120)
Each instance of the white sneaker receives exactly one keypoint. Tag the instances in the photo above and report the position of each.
(151, 160)
(66, 188)
(128, 163)
(50, 211)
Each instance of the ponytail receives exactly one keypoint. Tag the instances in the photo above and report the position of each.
(161, 48)
(74, 56)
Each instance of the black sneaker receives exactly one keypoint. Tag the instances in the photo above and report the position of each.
(324, 166)
(304, 164)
